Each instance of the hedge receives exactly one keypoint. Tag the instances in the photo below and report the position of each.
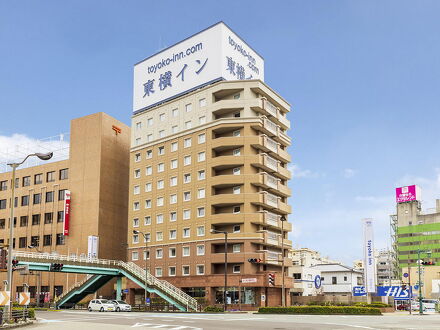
(323, 310)
(213, 309)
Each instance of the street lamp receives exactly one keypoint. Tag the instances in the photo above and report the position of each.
(136, 232)
(14, 166)
(226, 263)
(428, 252)
(37, 274)
(283, 298)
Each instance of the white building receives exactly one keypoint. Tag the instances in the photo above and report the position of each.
(338, 279)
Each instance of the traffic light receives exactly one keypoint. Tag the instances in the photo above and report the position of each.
(14, 263)
(271, 279)
(428, 263)
(255, 260)
(56, 267)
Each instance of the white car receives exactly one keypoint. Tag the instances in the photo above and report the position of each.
(121, 306)
(102, 305)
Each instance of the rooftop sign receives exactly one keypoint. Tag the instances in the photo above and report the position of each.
(407, 194)
(216, 53)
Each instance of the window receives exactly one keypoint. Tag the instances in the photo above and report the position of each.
(173, 199)
(148, 170)
(35, 240)
(159, 201)
(61, 240)
(37, 198)
(236, 190)
(186, 214)
(35, 219)
(236, 133)
(149, 154)
(174, 164)
(174, 146)
(345, 278)
(200, 250)
(185, 251)
(137, 141)
(147, 237)
(138, 125)
(160, 184)
(22, 242)
(236, 209)
(148, 187)
(148, 203)
(137, 157)
(135, 206)
(159, 253)
(334, 280)
(3, 185)
(2, 204)
(174, 129)
(236, 269)
(237, 115)
(173, 216)
(161, 133)
(185, 270)
(162, 117)
(161, 150)
(187, 160)
(38, 178)
(135, 238)
(172, 252)
(146, 255)
(201, 156)
(159, 236)
(150, 121)
(136, 222)
(236, 229)
(202, 120)
(236, 152)
(173, 234)
(187, 143)
(136, 190)
(188, 124)
(26, 181)
(236, 96)
(134, 255)
(202, 102)
(236, 248)
(201, 231)
(188, 107)
(173, 181)
(175, 112)
(187, 196)
(2, 223)
(159, 218)
(201, 174)
(236, 171)
(64, 174)
(48, 218)
(202, 138)
(187, 178)
(201, 193)
(200, 212)
(200, 269)
(147, 220)
(60, 216)
(137, 174)
(23, 221)
(50, 176)
(186, 232)
(160, 167)
(149, 137)
(25, 200)
(172, 271)
(61, 194)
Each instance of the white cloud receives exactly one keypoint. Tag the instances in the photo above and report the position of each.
(348, 173)
(430, 186)
(298, 172)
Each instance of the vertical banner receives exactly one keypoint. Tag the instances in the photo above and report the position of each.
(369, 262)
(66, 213)
(92, 244)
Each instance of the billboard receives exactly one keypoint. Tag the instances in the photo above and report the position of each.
(92, 247)
(66, 222)
(369, 262)
(216, 53)
(407, 194)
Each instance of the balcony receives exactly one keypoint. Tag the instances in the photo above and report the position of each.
(283, 155)
(268, 127)
(233, 199)
(227, 218)
(227, 142)
(284, 138)
(284, 208)
(226, 106)
(230, 180)
(266, 163)
(270, 108)
(284, 173)
(283, 121)
(284, 190)
(226, 161)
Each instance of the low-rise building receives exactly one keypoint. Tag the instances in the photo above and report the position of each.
(338, 279)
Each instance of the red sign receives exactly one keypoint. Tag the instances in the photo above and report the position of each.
(407, 194)
(66, 213)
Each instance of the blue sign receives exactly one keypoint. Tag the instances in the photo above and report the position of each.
(125, 291)
(359, 291)
(398, 292)
(147, 300)
(317, 281)
(405, 274)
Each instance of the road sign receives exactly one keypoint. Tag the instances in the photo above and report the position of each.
(24, 298)
(248, 280)
(125, 290)
(147, 300)
(317, 282)
(405, 274)
(5, 297)
(359, 291)
(263, 297)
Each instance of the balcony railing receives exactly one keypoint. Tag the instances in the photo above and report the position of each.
(270, 126)
(271, 199)
(271, 144)
(270, 108)
(270, 162)
(271, 218)
(271, 181)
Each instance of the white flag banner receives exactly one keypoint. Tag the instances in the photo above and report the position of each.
(369, 262)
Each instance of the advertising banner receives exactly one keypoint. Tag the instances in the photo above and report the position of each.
(359, 291)
(397, 292)
(66, 222)
(369, 262)
(407, 194)
(216, 53)
(92, 247)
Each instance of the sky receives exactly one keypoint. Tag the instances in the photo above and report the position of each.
(362, 77)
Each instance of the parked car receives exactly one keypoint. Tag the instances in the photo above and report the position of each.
(121, 306)
(428, 305)
(102, 305)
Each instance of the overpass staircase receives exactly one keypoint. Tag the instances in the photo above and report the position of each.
(102, 271)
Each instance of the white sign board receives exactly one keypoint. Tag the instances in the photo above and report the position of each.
(369, 262)
(248, 280)
(92, 247)
(216, 53)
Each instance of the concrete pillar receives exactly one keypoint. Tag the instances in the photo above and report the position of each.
(119, 288)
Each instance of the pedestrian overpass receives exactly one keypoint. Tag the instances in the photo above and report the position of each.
(102, 272)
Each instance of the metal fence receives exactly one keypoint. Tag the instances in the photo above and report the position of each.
(16, 316)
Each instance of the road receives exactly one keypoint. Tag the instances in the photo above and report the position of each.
(83, 320)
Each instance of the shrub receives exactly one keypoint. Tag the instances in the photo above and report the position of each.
(323, 310)
(374, 304)
(213, 309)
(31, 313)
